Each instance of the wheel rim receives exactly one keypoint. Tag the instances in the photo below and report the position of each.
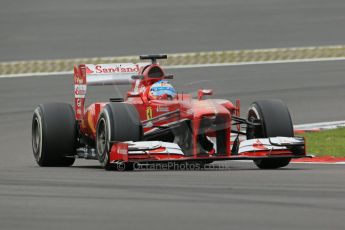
(255, 131)
(37, 138)
(102, 137)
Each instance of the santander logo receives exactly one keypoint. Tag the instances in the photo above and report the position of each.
(259, 145)
(79, 91)
(113, 68)
(88, 70)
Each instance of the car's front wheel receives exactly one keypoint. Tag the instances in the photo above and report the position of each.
(117, 122)
(275, 121)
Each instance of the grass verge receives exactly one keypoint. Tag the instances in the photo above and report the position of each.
(326, 143)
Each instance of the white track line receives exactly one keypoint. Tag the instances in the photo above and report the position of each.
(321, 125)
(191, 66)
(292, 162)
(36, 74)
(319, 163)
(255, 63)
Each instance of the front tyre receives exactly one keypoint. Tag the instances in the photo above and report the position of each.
(116, 122)
(275, 121)
(54, 134)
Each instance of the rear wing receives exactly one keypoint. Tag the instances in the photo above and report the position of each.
(100, 74)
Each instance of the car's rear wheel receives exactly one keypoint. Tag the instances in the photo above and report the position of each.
(275, 121)
(54, 134)
(117, 122)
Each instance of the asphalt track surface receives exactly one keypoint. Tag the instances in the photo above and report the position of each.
(237, 196)
(41, 29)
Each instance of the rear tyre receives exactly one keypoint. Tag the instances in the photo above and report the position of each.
(54, 134)
(275, 121)
(117, 122)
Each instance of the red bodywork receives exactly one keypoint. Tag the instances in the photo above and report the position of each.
(193, 110)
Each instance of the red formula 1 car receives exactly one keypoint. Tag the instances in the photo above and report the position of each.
(155, 124)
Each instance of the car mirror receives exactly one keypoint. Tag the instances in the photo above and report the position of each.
(203, 92)
(133, 94)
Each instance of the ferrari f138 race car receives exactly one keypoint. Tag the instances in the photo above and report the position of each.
(155, 124)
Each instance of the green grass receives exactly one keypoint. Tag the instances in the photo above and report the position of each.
(326, 142)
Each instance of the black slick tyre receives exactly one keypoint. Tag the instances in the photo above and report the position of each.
(275, 121)
(116, 122)
(54, 134)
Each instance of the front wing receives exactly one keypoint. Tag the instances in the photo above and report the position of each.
(153, 151)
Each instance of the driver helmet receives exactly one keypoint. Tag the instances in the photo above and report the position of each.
(162, 90)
